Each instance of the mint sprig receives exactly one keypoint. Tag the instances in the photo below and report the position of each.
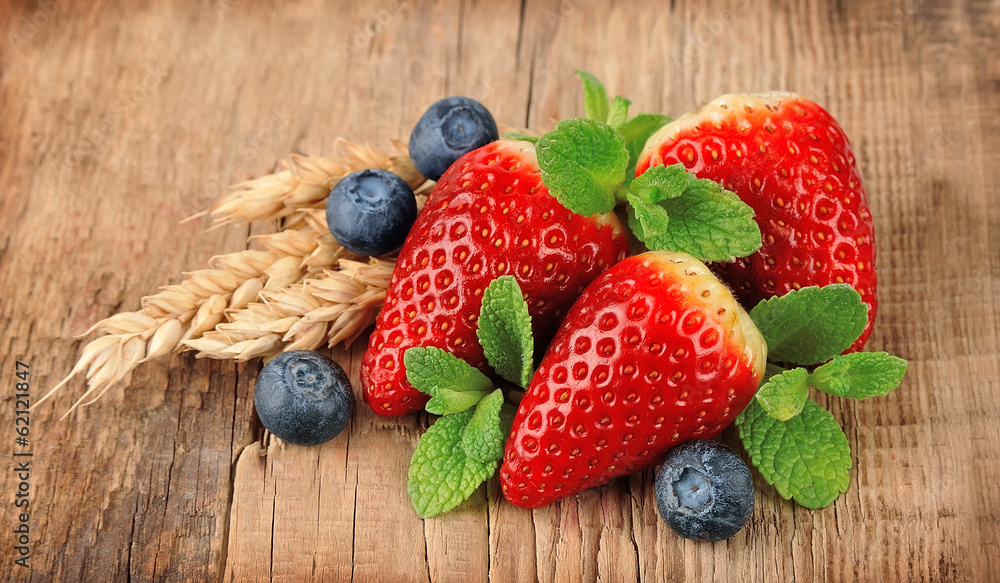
(795, 444)
(806, 458)
(453, 384)
(705, 220)
(618, 111)
(785, 394)
(637, 132)
(588, 165)
(859, 375)
(648, 221)
(462, 448)
(583, 162)
(595, 98)
(442, 475)
(505, 330)
(484, 436)
(811, 325)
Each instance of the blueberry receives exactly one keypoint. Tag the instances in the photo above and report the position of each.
(450, 128)
(704, 491)
(370, 212)
(303, 397)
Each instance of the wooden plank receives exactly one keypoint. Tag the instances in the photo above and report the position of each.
(117, 120)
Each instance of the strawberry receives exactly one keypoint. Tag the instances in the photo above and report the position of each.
(788, 159)
(489, 215)
(656, 351)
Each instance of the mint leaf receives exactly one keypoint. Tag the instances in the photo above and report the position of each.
(441, 475)
(453, 384)
(618, 112)
(806, 458)
(636, 132)
(860, 375)
(706, 220)
(505, 331)
(661, 182)
(484, 436)
(583, 162)
(784, 395)
(811, 325)
(521, 136)
(595, 99)
(648, 221)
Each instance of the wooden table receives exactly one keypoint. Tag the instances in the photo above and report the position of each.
(119, 119)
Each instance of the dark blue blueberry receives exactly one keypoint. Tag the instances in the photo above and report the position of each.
(370, 212)
(450, 128)
(303, 397)
(704, 491)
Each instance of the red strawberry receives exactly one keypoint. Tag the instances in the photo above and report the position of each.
(489, 215)
(655, 352)
(787, 158)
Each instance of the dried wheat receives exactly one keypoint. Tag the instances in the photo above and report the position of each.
(185, 310)
(303, 183)
(301, 291)
(332, 307)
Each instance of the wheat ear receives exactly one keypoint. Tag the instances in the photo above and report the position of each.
(332, 307)
(188, 309)
(303, 183)
(214, 310)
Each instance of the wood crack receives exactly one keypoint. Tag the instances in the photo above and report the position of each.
(131, 542)
(166, 498)
(354, 529)
(520, 36)
(531, 87)
(227, 528)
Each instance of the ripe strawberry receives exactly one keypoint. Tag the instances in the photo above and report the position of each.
(787, 158)
(655, 352)
(489, 215)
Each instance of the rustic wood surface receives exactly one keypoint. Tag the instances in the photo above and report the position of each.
(119, 118)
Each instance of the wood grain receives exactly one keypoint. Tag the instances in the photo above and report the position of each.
(118, 119)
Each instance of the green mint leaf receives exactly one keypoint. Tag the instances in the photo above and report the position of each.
(636, 132)
(441, 475)
(595, 99)
(860, 375)
(785, 394)
(583, 162)
(618, 112)
(484, 436)
(811, 325)
(521, 136)
(453, 384)
(807, 458)
(647, 221)
(661, 182)
(706, 220)
(505, 331)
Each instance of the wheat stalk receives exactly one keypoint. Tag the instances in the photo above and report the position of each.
(302, 290)
(303, 183)
(188, 309)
